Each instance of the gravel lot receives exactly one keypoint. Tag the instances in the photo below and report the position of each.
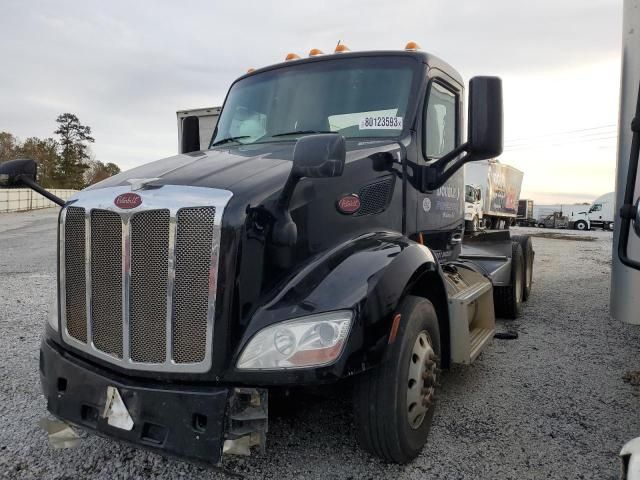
(551, 404)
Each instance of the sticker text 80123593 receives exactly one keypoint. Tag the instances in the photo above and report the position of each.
(379, 122)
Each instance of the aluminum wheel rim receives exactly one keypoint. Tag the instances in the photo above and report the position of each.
(421, 383)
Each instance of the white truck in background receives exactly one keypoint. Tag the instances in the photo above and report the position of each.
(207, 118)
(601, 214)
(492, 192)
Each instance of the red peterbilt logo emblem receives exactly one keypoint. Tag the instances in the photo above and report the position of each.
(128, 200)
(349, 204)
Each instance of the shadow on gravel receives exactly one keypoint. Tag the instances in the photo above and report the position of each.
(563, 236)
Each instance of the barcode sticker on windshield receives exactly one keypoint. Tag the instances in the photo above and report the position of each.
(381, 122)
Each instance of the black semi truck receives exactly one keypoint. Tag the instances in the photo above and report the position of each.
(317, 238)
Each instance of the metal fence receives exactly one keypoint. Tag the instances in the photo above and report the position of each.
(22, 199)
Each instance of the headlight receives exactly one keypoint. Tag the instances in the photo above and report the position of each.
(52, 314)
(304, 342)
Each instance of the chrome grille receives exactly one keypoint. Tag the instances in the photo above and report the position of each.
(140, 284)
(106, 282)
(191, 290)
(75, 292)
(148, 298)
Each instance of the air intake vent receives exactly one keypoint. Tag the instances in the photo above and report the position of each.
(375, 197)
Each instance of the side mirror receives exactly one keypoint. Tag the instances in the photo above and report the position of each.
(190, 140)
(485, 117)
(319, 156)
(22, 173)
(484, 133)
(315, 156)
(14, 172)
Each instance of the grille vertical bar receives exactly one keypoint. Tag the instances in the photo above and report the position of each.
(106, 281)
(194, 240)
(74, 264)
(148, 298)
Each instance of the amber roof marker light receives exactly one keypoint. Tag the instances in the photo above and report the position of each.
(315, 51)
(341, 48)
(412, 46)
(291, 56)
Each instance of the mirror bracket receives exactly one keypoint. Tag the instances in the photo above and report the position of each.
(42, 191)
(437, 174)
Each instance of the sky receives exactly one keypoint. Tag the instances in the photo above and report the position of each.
(124, 68)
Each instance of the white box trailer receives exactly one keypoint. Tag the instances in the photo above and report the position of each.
(499, 187)
(208, 118)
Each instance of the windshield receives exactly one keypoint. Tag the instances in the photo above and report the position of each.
(356, 97)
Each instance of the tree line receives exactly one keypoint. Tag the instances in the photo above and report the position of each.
(64, 161)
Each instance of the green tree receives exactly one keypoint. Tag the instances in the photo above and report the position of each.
(74, 138)
(45, 152)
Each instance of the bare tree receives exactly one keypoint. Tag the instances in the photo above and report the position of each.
(8, 145)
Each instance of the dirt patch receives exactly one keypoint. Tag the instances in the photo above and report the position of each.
(564, 236)
(632, 377)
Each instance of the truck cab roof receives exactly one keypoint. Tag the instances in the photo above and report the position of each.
(420, 56)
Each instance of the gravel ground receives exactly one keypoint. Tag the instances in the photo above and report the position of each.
(551, 404)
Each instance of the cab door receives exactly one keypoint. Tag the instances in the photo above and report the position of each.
(440, 213)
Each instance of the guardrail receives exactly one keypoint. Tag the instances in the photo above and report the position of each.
(23, 199)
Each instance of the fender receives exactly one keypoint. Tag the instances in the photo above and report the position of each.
(369, 275)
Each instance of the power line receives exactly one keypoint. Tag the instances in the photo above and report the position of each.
(566, 132)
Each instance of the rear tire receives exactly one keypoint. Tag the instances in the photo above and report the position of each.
(508, 300)
(390, 423)
(528, 254)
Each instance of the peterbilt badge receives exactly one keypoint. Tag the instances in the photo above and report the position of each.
(349, 204)
(128, 200)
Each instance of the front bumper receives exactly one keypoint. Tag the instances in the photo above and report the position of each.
(183, 420)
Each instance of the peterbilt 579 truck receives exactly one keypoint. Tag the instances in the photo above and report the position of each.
(316, 238)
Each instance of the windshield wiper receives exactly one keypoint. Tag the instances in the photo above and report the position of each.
(299, 132)
(230, 139)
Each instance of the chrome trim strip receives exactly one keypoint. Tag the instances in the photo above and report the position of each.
(62, 265)
(87, 274)
(171, 277)
(173, 198)
(126, 285)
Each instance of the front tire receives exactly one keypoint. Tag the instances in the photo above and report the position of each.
(395, 402)
(580, 225)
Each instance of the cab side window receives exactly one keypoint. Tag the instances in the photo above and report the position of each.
(439, 123)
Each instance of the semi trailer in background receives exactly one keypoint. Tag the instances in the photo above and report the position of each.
(207, 119)
(525, 217)
(495, 191)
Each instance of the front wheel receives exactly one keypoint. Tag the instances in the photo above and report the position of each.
(580, 225)
(394, 403)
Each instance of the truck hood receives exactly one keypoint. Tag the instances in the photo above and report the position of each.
(251, 170)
